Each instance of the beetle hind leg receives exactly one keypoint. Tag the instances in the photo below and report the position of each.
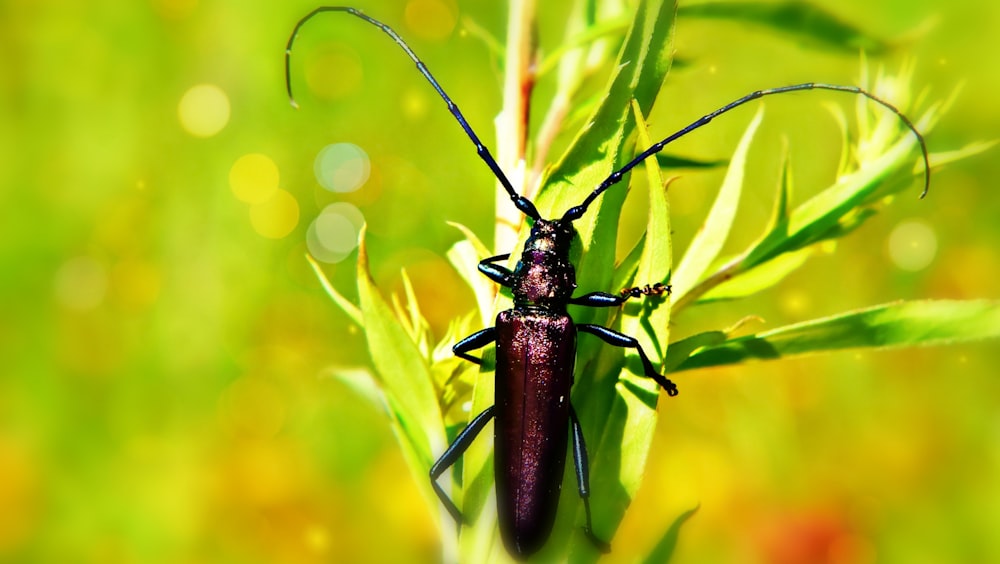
(582, 467)
(452, 454)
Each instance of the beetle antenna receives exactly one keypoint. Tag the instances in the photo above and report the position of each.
(521, 202)
(576, 212)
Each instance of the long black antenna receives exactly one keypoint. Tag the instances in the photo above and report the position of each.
(521, 202)
(574, 213)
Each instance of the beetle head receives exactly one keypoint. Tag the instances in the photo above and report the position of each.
(544, 276)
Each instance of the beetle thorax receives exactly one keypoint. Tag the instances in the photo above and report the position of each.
(544, 276)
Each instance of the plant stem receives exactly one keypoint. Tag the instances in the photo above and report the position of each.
(512, 123)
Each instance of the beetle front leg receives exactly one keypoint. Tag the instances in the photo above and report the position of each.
(452, 454)
(477, 340)
(622, 340)
(499, 274)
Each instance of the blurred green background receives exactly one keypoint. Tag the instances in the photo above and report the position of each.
(166, 355)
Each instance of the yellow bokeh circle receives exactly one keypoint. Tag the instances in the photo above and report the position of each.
(253, 178)
(430, 19)
(203, 110)
(275, 217)
(334, 72)
(912, 245)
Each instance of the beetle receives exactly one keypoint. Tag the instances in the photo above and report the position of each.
(536, 339)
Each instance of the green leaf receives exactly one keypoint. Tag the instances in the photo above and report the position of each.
(814, 219)
(621, 448)
(708, 242)
(664, 550)
(601, 146)
(343, 303)
(945, 157)
(806, 22)
(404, 377)
(899, 324)
(757, 279)
(465, 256)
(783, 201)
(675, 161)
(585, 38)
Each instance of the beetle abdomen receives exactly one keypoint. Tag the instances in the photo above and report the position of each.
(536, 351)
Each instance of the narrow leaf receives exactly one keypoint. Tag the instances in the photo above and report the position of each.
(664, 550)
(405, 379)
(628, 435)
(899, 324)
(343, 303)
(812, 220)
(801, 20)
(779, 217)
(464, 257)
(708, 242)
(760, 278)
(676, 161)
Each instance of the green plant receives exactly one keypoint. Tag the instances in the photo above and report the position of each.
(430, 395)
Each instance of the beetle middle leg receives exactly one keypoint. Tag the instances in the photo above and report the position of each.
(452, 454)
(604, 299)
(622, 340)
(582, 467)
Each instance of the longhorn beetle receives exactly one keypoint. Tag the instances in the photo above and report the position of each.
(536, 339)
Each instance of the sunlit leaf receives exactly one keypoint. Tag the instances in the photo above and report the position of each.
(803, 21)
(465, 256)
(343, 303)
(708, 242)
(675, 161)
(621, 448)
(758, 279)
(926, 322)
(663, 552)
(404, 376)
(812, 220)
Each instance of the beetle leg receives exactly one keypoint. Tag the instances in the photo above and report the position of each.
(477, 340)
(499, 274)
(582, 467)
(451, 455)
(604, 299)
(622, 340)
(599, 299)
(657, 289)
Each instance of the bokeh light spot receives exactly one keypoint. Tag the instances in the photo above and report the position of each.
(342, 167)
(275, 217)
(912, 245)
(136, 284)
(430, 19)
(333, 235)
(253, 407)
(204, 110)
(317, 538)
(175, 9)
(333, 72)
(795, 303)
(415, 104)
(253, 178)
(81, 283)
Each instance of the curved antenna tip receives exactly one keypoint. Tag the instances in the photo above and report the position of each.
(295, 105)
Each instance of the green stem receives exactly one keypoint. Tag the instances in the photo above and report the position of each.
(512, 123)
